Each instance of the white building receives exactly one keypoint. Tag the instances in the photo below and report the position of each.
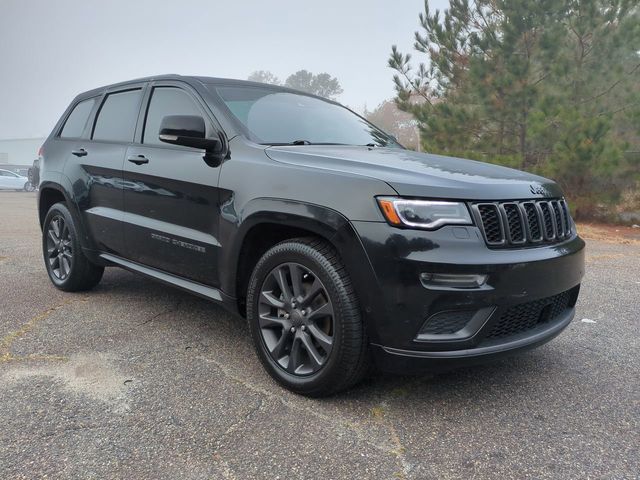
(19, 151)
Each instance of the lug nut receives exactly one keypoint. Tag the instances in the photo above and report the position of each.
(303, 312)
(304, 328)
(293, 329)
(286, 315)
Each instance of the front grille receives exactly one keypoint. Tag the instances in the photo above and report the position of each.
(526, 316)
(523, 223)
(533, 220)
(515, 224)
(491, 224)
(547, 220)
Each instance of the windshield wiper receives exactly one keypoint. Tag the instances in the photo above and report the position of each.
(299, 142)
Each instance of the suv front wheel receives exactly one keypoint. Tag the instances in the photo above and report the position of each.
(305, 319)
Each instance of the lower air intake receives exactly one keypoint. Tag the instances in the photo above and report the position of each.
(526, 316)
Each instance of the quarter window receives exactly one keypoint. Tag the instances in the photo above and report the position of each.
(117, 117)
(77, 120)
(166, 101)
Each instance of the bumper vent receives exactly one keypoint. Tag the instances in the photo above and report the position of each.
(445, 323)
(523, 223)
(526, 316)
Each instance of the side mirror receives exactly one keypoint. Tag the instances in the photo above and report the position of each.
(191, 131)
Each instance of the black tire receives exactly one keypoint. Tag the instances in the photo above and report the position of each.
(327, 370)
(67, 266)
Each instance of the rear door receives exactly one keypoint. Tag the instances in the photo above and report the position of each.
(97, 160)
(170, 193)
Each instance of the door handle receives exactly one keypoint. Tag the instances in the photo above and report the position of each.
(80, 153)
(138, 159)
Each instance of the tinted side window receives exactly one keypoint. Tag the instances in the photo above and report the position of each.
(166, 101)
(77, 120)
(117, 117)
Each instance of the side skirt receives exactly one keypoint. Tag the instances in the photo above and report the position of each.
(204, 291)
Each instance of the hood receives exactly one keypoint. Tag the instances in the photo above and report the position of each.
(419, 174)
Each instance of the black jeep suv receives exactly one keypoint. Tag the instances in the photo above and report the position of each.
(337, 244)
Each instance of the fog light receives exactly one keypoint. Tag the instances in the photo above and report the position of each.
(452, 280)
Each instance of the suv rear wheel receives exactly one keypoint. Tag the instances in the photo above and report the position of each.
(305, 319)
(67, 266)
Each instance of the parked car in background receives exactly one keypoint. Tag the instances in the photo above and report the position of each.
(13, 181)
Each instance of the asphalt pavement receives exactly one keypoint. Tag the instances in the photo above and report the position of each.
(138, 380)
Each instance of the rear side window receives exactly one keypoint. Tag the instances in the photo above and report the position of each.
(117, 117)
(77, 120)
(166, 101)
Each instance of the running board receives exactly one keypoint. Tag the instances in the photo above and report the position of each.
(182, 283)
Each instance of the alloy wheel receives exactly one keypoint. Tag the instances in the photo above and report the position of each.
(59, 247)
(296, 319)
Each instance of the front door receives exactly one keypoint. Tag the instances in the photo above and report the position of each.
(170, 195)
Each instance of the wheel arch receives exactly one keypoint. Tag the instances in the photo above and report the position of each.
(51, 193)
(266, 222)
(272, 221)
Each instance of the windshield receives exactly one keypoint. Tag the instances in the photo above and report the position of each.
(275, 117)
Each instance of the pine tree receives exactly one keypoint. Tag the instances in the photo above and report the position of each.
(550, 86)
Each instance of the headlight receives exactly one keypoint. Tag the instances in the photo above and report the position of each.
(428, 214)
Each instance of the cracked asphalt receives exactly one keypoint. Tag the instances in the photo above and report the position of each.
(139, 380)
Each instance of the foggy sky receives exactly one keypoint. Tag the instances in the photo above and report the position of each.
(52, 50)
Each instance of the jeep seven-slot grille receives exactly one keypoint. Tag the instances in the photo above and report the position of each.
(528, 222)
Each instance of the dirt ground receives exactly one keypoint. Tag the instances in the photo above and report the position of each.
(609, 233)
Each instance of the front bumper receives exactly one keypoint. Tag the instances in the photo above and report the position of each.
(400, 361)
(528, 298)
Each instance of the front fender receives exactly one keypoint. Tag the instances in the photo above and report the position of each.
(234, 228)
(321, 221)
